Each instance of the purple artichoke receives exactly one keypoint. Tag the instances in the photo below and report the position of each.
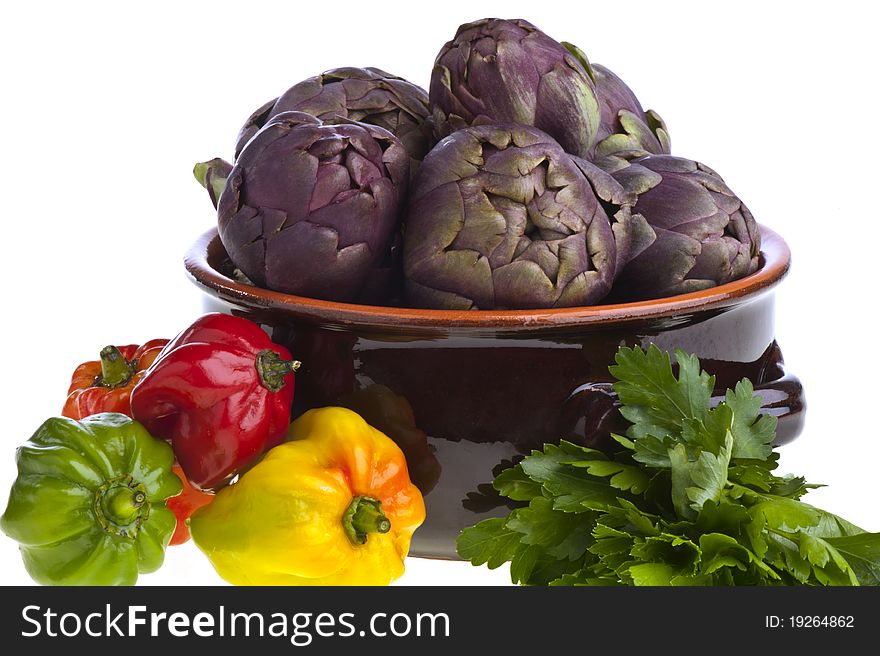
(312, 209)
(705, 236)
(626, 131)
(507, 71)
(502, 217)
(368, 95)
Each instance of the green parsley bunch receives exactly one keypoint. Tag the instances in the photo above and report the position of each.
(688, 498)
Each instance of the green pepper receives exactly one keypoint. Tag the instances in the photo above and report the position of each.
(88, 505)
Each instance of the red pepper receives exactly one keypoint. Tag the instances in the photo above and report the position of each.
(221, 392)
(105, 385)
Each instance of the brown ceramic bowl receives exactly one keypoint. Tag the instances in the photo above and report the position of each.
(467, 393)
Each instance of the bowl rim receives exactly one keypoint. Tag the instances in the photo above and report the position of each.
(775, 264)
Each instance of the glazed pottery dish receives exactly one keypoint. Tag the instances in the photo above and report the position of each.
(467, 393)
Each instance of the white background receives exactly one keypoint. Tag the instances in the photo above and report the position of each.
(107, 106)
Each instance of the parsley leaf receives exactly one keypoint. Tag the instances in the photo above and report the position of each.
(513, 483)
(488, 543)
(752, 431)
(654, 401)
(572, 489)
(561, 535)
(621, 475)
(694, 482)
(652, 574)
(862, 552)
(687, 497)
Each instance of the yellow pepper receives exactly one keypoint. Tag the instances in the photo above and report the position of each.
(332, 506)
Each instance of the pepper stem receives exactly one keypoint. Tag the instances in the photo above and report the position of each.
(121, 506)
(362, 517)
(272, 369)
(116, 371)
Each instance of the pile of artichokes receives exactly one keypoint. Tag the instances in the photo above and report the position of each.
(527, 177)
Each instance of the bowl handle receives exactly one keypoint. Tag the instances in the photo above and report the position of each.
(591, 410)
(783, 396)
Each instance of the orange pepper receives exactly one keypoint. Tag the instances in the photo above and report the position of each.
(183, 505)
(105, 385)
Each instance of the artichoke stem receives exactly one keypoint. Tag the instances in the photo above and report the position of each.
(364, 516)
(200, 171)
(212, 176)
(116, 371)
(272, 369)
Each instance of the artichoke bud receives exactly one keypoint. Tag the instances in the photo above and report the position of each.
(501, 217)
(626, 131)
(367, 95)
(507, 71)
(312, 209)
(705, 235)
